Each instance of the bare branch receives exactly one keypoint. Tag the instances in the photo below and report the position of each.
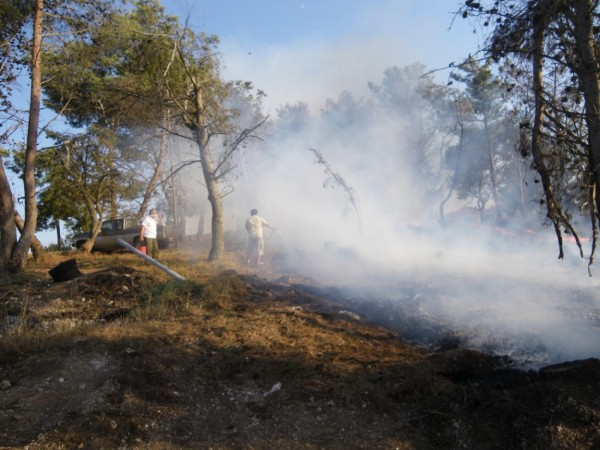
(243, 136)
(338, 180)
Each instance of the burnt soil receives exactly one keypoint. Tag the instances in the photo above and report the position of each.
(125, 357)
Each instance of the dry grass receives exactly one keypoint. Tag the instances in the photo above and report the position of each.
(157, 297)
(128, 357)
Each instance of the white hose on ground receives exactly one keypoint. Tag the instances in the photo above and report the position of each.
(154, 262)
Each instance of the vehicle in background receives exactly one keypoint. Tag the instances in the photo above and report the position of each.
(127, 229)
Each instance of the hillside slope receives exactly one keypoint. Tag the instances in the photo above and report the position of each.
(124, 357)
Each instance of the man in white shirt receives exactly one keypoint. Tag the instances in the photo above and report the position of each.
(256, 243)
(149, 232)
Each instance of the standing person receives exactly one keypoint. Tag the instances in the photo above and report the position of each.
(149, 232)
(256, 243)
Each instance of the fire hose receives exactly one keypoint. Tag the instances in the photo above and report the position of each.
(152, 261)
(242, 244)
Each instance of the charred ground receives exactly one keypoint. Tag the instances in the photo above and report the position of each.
(124, 357)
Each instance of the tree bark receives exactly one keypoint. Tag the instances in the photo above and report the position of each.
(460, 118)
(8, 229)
(553, 213)
(37, 249)
(587, 67)
(217, 229)
(19, 256)
(58, 235)
(160, 162)
(493, 175)
(96, 218)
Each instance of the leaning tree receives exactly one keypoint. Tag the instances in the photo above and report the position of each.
(558, 38)
(211, 110)
(13, 252)
(24, 25)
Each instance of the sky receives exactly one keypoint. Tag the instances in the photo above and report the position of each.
(313, 50)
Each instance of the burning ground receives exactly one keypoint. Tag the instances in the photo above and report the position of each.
(123, 357)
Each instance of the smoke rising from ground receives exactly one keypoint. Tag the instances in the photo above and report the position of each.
(502, 291)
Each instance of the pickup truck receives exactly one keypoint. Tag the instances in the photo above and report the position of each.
(127, 229)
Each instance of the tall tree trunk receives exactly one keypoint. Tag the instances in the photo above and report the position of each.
(111, 143)
(8, 229)
(19, 257)
(218, 232)
(96, 219)
(58, 236)
(217, 248)
(461, 127)
(587, 67)
(553, 211)
(160, 162)
(493, 175)
(37, 249)
(522, 171)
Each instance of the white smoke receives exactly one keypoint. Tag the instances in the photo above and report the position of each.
(503, 293)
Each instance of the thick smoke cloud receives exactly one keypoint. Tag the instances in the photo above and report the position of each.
(500, 291)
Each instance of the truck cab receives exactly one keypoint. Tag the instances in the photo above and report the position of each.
(127, 229)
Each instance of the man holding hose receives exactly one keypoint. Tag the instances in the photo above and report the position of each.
(256, 243)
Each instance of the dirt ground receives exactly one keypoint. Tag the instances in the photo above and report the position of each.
(125, 357)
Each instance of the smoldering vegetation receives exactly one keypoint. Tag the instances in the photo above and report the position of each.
(369, 198)
(533, 311)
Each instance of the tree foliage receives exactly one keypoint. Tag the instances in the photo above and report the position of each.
(486, 141)
(132, 83)
(559, 40)
(13, 16)
(212, 112)
(108, 87)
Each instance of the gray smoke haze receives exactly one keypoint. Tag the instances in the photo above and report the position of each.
(502, 292)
